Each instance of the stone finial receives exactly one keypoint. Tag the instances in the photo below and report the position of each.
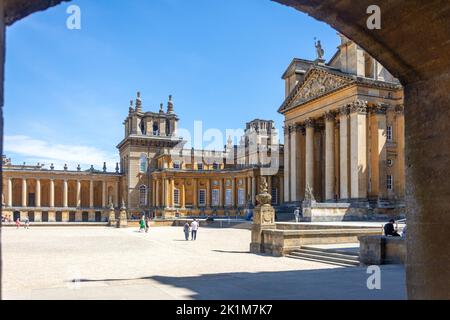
(264, 198)
(170, 105)
(161, 108)
(117, 167)
(138, 102)
(52, 167)
(79, 168)
(104, 166)
(66, 167)
(92, 168)
(131, 109)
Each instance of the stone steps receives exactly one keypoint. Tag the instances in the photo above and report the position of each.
(323, 256)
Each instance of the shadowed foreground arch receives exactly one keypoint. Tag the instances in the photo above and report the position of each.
(414, 44)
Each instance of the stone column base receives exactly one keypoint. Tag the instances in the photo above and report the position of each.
(51, 216)
(38, 216)
(65, 216)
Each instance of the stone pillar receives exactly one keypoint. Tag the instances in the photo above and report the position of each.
(123, 218)
(287, 192)
(208, 193)
(65, 194)
(343, 153)
(103, 194)
(157, 193)
(380, 154)
(9, 203)
(294, 166)
(358, 150)
(329, 157)
(38, 194)
(233, 192)
(78, 194)
(263, 219)
(51, 216)
(52, 196)
(37, 216)
(195, 192)
(24, 193)
(309, 153)
(183, 195)
(400, 163)
(254, 191)
(91, 194)
(116, 195)
(112, 222)
(78, 216)
(65, 216)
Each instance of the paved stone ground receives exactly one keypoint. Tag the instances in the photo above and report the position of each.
(41, 263)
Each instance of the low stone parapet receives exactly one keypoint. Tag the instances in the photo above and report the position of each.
(282, 242)
(378, 250)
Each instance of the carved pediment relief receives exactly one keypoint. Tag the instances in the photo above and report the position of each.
(317, 84)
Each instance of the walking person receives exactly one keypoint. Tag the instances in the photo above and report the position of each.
(18, 223)
(194, 227)
(186, 231)
(142, 224)
(147, 224)
(27, 223)
(297, 214)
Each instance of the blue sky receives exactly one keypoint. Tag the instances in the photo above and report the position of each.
(68, 91)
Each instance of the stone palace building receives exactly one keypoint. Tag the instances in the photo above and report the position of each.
(344, 149)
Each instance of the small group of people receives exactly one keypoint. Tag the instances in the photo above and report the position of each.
(26, 223)
(392, 230)
(144, 224)
(191, 229)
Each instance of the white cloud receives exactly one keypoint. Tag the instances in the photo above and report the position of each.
(33, 150)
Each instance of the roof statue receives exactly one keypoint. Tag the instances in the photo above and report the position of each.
(319, 50)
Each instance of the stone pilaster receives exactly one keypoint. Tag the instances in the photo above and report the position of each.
(379, 157)
(287, 192)
(24, 193)
(9, 186)
(65, 193)
(38, 193)
(294, 167)
(52, 196)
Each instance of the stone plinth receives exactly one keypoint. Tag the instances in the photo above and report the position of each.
(123, 219)
(263, 219)
(378, 250)
(112, 222)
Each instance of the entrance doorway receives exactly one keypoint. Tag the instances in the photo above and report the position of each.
(98, 217)
(31, 216)
(71, 216)
(16, 215)
(45, 216)
(58, 216)
(85, 217)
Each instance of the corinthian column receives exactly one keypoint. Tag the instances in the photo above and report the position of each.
(24, 192)
(9, 203)
(329, 156)
(343, 152)
(309, 153)
(38, 193)
(358, 148)
(52, 193)
(379, 157)
(293, 169)
(78, 194)
(91, 194)
(65, 193)
(286, 165)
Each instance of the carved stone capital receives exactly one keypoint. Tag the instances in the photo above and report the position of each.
(330, 116)
(344, 111)
(400, 109)
(379, 108)
(309, 123)
(359, 106)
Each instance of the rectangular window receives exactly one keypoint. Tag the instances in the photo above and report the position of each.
(176, 197)
(390, 182)
(176, 165)
(241, 197)
(215, 197)
(228, 197)
(389, 134)
(202, 197)
(274, 195)
(200, 166)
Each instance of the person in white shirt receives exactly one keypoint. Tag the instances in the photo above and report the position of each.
(297, 214)
(194, 229)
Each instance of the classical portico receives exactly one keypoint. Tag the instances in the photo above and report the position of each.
(343, 135)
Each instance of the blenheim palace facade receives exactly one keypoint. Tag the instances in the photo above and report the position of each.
(343, 144)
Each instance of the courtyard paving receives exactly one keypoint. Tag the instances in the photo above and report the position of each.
(105, 263)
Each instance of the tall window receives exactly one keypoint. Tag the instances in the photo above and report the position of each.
(176, 197)
(274, 195)
(202, 197)
(200, 166)
(177, 164)
(241, 196)
(215, 166)
(143, 195)
(215, 197)
(143, 164)
(155, 129)
(390, 182)
(228, 197)
(389, 134)
(142, 125)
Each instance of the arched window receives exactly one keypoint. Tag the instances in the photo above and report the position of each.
(143, 195)
(143, 164)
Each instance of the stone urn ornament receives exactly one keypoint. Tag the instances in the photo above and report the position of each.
(264, 198)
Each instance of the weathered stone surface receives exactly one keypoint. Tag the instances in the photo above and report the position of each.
(18, 9)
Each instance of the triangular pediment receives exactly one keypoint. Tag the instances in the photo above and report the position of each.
(317, 83)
